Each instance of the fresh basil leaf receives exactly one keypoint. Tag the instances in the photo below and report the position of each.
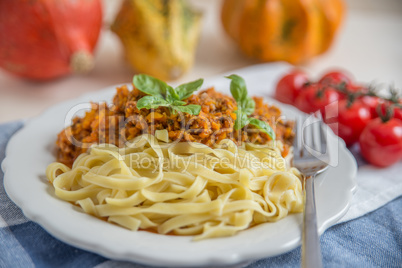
(241, 119)
(151, 102)
(186, 90)
(190, 109)
(238, 88)
(179, 103)
(263, 126)
(248, 106)
(171, 95)
(150, 85)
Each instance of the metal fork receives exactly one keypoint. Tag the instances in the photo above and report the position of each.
(311, 157)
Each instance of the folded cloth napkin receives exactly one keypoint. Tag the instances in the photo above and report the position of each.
(366, 237)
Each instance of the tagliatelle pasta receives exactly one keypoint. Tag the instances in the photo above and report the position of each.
(183, 188)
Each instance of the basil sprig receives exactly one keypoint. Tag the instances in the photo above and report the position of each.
(246, 106)
(161, 94)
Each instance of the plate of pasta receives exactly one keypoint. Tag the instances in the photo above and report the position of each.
(194, 175)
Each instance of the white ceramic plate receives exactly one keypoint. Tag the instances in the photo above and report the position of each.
(30, 151)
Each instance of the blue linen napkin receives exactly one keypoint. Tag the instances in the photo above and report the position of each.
(373, 240)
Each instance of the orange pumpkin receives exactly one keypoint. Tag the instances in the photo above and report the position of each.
(46, 39)
(289, 30)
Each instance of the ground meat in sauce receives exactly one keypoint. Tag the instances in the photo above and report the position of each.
(122, 121)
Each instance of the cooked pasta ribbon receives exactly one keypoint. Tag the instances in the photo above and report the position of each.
(181, 188)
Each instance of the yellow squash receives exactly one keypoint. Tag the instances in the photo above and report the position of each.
(159, 36)
(289, 30)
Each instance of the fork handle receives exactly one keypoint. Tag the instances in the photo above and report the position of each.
(311, 250)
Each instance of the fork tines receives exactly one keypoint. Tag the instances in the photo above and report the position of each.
(310, 139)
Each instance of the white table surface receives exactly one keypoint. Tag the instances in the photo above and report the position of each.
(369, 45)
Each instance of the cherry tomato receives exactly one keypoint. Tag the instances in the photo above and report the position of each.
(350, 88)
(290, 85)
(311, 100)
(381, 143)
(335, 78)
(356, 88)
(397, 112)
(372, 102)
(350, 120)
